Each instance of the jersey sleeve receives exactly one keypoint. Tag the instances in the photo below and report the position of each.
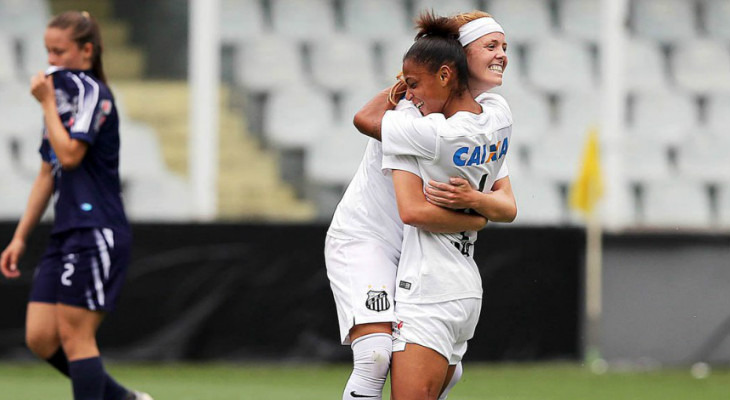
(88, 108)
(503, 171)
(403, 133)
(405, 163)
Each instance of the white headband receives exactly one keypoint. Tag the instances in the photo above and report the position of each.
(477, 28)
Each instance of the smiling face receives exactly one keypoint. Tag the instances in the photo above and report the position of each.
(64, 52)
(426, 89)
(487, 61)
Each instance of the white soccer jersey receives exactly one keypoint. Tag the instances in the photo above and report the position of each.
(368, 209)
(440, 267)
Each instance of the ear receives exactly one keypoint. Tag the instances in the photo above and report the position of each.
(87, 50)
(445, 74)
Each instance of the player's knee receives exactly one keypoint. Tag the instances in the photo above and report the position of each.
(42, 344)
(371, 355)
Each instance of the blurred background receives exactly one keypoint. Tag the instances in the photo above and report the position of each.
(231, 198)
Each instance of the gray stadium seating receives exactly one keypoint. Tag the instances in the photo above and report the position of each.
(524, 21)
(303, 19)
(560, 64)
(716, 17)
(581, 19)
(366, 19)
(703, 66)
(664, 20)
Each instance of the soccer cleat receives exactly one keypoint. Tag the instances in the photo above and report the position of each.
(135, 395)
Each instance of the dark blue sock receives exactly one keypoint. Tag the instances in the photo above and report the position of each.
(59, 361)
(87, 378)
(112, 389)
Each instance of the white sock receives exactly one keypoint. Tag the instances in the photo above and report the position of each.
(371, 362)
(454, 379)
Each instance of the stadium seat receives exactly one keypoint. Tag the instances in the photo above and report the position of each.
(343, 62)
(702, 66)
(524, 21)
(538, 200)
(392, 57)
(705, 159)
(645, 65)
(303, 19)
(268, 63)
(352, 102)
(376, 19)
(335, 155)
(674, 203)
(34, 57)
(645, 158)
(15, 191)
(444, 8)
(723, 203)
(718, 117)
(668, 116)
(158, 198)
(716, 17)
(557, 156)
(7, 58)
(530, 111)
(560, 64)
(24, 17)
(295, 116)
(579, 112)
(241, 20)
(140, 152)
(581, 19)
(664, 20)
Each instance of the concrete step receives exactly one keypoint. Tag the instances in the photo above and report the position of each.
(99, 9)
(249, 178)
(123, 63)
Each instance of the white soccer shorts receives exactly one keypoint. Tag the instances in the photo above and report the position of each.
(362, 277)
(443, 327)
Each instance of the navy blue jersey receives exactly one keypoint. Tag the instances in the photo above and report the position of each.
(88, 196)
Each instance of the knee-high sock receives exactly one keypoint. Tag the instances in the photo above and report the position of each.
(454, 379)
(371, 362)
(87, 378)
(112, 389)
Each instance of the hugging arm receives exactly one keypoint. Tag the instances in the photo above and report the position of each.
(497, 206)
(415, 210)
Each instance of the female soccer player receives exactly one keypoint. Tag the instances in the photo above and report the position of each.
(81, 273)
(363, 243)
(438, 298)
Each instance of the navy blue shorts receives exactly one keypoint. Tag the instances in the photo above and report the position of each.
(84, 268)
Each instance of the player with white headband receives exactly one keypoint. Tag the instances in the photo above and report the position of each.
(362, 249)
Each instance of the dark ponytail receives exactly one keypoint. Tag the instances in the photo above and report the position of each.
(84, 29)
(437, 44)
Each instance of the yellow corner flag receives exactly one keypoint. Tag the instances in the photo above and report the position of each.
(587, 189)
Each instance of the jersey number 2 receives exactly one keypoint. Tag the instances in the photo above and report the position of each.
(65, 277)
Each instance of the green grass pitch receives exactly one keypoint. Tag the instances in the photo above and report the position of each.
(540, 381)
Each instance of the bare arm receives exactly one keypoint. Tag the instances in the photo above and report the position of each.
(415, 210)
(40, 194)
(497, 206)
(69, 151)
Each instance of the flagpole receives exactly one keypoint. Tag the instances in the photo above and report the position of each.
(593, 293)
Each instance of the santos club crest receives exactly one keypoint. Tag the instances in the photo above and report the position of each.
(377, 300)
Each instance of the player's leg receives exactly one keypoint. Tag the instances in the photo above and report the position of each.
(95, 264)
(453, 375)
(372, 346)
(418, 373)
(362, 277)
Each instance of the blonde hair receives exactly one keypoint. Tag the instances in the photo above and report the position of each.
(464, 18)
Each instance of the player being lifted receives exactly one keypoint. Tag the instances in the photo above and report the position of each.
(80, 275)
(363, 243)
(438, 297)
